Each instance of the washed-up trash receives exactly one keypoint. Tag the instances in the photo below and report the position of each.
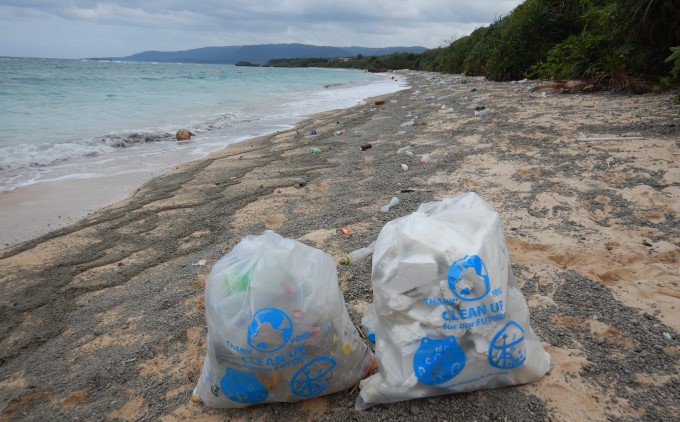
(394, 201)
(409, 123)
(404, 167)
(312, 132)
(380, 102)
(409, 114)
(339, 132)
(401, 133)
(358, 255)
(366, 146)
(345, 231)
(278, 329)
(404, 150)
(481, 112)
(368, 323)
(199, 263)
(425, 159)
(449, 316)
(315, 150)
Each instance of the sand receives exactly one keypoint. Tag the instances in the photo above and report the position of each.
(103, 319)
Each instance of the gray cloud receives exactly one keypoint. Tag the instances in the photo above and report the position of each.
(85, 28)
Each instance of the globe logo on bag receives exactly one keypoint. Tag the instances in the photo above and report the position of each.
(270, 330)
(465, 284)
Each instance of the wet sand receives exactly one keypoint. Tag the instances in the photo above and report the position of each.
(103, 319)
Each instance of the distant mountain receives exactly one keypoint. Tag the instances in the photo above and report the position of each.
(261, 54)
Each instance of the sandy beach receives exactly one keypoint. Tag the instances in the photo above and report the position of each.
(103, 319)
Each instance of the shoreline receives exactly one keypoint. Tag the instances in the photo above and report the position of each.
(29, 212)
(105, 318)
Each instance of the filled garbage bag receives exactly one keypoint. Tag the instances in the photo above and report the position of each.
(278, 329)
(448, 315)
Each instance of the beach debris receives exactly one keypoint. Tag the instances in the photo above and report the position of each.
(394, 201)
(345, 231)
(278, 327)
(449, 315)
(358, 255)
(315, 150)
(668, 336)
(199, 263)
(368, 323)
(404, 167)
(409, 114)
(339, 132)
(380, 102)
(183, 135)
(312, 132)
(612, 138)
(401, 133)
(409, 123)
(405, 149)
(481, 110)
(366, 146)
(425, 159)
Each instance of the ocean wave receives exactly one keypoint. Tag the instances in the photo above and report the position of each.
(29, 155)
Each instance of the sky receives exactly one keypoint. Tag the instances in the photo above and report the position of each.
(116, 28)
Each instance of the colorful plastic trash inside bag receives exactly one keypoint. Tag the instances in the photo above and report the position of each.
(278, 329)
(449, 317)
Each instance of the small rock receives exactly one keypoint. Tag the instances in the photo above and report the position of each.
(600, 340)
(668, 336)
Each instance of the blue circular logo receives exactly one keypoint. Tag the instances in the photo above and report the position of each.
(313, 378)
(270, 330)
(466, 285)
(507, 348)
(438, 361)
(242, 387)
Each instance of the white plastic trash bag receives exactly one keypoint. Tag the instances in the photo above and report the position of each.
(449, 316)
(278, 329)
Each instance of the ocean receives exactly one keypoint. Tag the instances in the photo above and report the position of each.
(75, 119)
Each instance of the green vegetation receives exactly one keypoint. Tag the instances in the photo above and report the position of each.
(608, 43)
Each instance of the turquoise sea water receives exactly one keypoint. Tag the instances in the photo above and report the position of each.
(72, 118)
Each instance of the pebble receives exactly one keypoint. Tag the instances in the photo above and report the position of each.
(600, 340)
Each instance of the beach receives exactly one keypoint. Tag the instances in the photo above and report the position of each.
(102, 319)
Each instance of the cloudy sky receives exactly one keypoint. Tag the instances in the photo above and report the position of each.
(111, 28)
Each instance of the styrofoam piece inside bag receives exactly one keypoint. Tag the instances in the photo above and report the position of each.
(443, 273)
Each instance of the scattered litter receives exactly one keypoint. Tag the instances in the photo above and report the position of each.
(612, 138)
(339, 132)
(126, 361)
(409, 114)
(366, 146)
(315, 150)
(345, 231)
(358, 255)
(393, 101)
(368, 323)
(481, 110)
(405, 149)
(408, 190)
(199, 263)
(380, 102)
(425, 159)
(473, 90)
(668, 336)
(394, 201)
(312, 132)
(401, 133)
(404, 167)
(409, 123)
